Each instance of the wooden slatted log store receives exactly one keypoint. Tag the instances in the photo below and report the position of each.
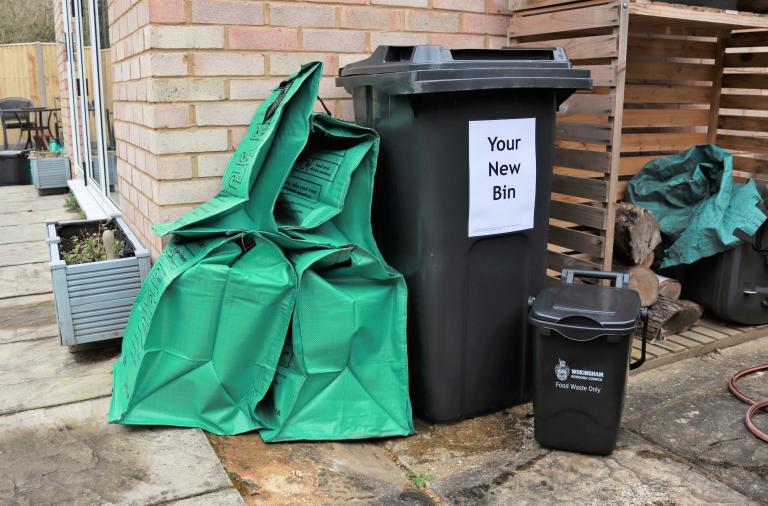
(666, 77)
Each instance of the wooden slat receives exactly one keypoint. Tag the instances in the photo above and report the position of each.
(583, 132)
(647, 26)
(581, 214)
(748, 39)
(631, 165)
(751, 165)
(576, 240)
(720, 328)
(699, 338)
(602, 75)
(559, 261)
(583, 103)
(751, 81)
(717, 86)
(581, 48)
(638, 143)
(665, 94)
(646, 46)
(751, 102)
(564, 21)
(750, 59)
(669, 71)
(684, 341)
(691, 15)
(554, 6)
(593, 189)
(748, 123)
(709, 332)
(638, 118)
(751, 144)
(669, 345)
(613, 176)
(520, 5)
(565, 171)
(582, 159)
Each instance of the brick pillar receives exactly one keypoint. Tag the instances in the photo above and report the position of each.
(188, 75)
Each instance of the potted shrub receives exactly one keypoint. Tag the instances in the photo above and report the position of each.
(97, 268)
(50, 170)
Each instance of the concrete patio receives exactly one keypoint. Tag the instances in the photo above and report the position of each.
(683, 439)
(55, 444)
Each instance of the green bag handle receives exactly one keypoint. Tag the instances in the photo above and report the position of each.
(238, 178)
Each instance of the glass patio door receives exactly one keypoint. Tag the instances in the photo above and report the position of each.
(91, 72)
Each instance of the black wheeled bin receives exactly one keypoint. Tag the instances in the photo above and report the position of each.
(461, 207)
(733, 284)
(582, 349)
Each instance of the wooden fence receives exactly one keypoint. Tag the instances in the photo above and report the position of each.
(30, 71)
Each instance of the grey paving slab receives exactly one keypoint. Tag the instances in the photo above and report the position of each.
(70, 455)
(21, 253)
(686, 408)
(22, 233)
(440, 450)
(708, 431)
(657, 388)
(23, 190)
(32, 216)
(636, 473)
(741, 357)
(224, 497)
(28, 279)
(35, 203)
(41, 373)
(313, 473)
(30, 317)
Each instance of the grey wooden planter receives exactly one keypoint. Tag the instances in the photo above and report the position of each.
(93, 300)
(49, 173)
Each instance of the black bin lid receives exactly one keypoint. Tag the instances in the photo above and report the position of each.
(584, 312)
(405, 70)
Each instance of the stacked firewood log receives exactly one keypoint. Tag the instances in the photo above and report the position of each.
(636, 236)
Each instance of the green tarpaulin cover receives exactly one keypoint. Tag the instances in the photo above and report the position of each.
(272, 308)
(697, 203)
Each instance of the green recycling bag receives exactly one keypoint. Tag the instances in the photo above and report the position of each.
(326, 199)
(257, 170)
(343, 373)
(697, 203)
(304, 185)
(204, 335)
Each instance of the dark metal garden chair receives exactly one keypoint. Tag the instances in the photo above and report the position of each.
(21, 121)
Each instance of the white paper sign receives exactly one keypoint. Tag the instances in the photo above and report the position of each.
(502, 176)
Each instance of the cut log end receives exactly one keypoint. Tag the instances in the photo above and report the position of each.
(669, 288)
(668, 317)
(644, 282)
(636, 233)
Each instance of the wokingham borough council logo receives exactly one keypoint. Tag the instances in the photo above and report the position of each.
(562, 370)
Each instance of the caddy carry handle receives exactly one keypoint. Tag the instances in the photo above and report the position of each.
(620, 279)
(637, 363)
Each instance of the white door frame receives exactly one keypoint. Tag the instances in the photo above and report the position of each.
(95, 197)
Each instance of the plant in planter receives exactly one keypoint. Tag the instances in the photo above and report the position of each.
(50, 170)
(97, 268)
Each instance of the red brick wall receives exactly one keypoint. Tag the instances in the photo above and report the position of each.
(188, 75)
